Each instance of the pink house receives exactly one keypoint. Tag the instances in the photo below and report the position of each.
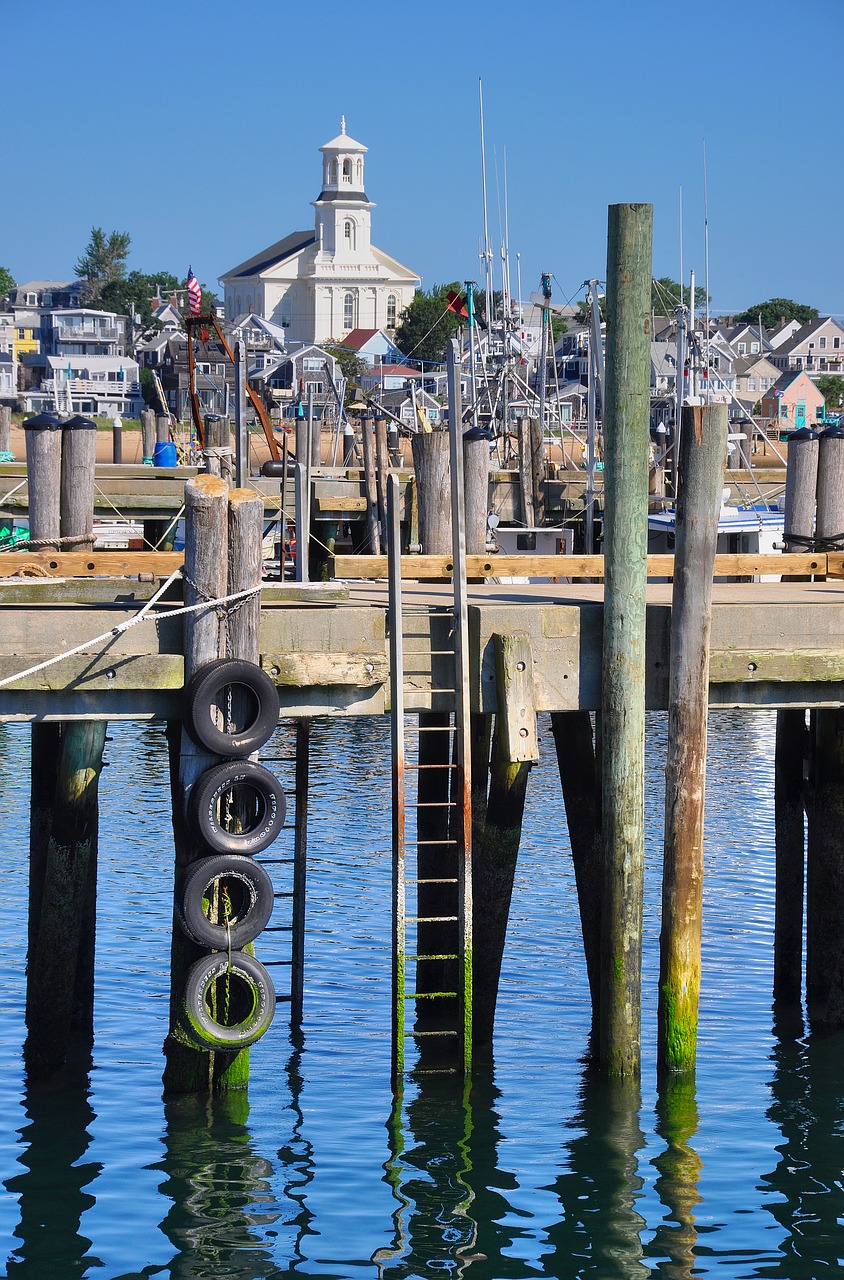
(793, 402)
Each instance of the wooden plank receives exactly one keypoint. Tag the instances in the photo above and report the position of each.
(779, 666)
(516, 724)
(358, 670)
(89, 674)
(340, 503)
(79, 564)
(500, 566)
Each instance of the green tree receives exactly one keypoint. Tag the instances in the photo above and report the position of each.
(666, 294)
(775, 310)
(426, 324)
(134, 294)
(831, 387)
(103, 260)
(7, 282)
(558, 328)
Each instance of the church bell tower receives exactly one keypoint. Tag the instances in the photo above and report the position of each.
(343, 213)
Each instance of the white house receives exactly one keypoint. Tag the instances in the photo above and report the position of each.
(320, 285)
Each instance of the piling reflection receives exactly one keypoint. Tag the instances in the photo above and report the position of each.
(805, 1193)
(452, 1213)
(52, 1190)
(599, 1233)
(679, 1168)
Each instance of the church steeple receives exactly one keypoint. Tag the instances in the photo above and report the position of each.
(342, 208)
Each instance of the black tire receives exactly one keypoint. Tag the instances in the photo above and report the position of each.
(255, 789)
(243, 883)
(240, 982)
(206, 692)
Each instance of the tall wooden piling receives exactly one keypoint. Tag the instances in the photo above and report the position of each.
(117, 439)
(537, 470)
(801, 480)
(218, 450)
(476, 489)
(825, 871)
(6, 454)
(43, 472)
(626, 438)
(162, 428)
(789, 842)
(79, 458)
(703, 442)
(382, 467)
(433, 487)
(147, 435)
(372, 519)
(525, 474)
(187, 1069)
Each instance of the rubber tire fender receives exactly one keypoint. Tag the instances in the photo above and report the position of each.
(255, 886)
(196, 1019)
(214, 783)
(202, 694)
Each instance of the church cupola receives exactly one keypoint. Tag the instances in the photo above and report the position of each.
(342, 209)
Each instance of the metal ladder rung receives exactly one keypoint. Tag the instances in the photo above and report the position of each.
(276, 862)
(431, 995)
(276, 964)
(277, 928)
(430, 728)
(434, 880)
(282, 999)
(445, 956)
(429, 920)
(434, 1071)
(429, 766)
(431, 804)
(283, 893)
(418, 1034)
(436, 842)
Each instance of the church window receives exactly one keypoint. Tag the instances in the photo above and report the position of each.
(349, 311)
(334, 172)
(349, 234)
(391, 310)
(359, 171)
(347, 170)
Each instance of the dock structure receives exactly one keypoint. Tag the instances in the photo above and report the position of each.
(463, 659)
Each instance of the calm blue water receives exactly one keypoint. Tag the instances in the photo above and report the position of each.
(534, 1170)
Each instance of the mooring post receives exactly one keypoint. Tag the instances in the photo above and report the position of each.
(789, 840)
(825, 872)
(580, 779)
(495, 848)
(525, 473)
(432, 472)
(162, 428)
(801, 481)
(476, 488)
(626, 437)
(147, 436)
(382, 467)
(188, 1069)
(53, 1005)
(79, 460)
(6, 454)
(43, 470)
(372, 522)
(117, 438)
(703, 443)
(537, 470)
(217, 450)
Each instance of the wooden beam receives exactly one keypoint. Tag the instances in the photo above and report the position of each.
(86, 564)
(516, 725)
(425, 567)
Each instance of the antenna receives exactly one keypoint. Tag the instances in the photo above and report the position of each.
(681, 247)
(706, 260)
(487, 254)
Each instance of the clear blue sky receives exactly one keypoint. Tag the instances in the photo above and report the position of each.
(195, 127)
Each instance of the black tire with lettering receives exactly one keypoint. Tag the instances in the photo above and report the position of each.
(237, 792)
(228, 1002)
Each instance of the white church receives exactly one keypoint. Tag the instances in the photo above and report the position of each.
(321, 284)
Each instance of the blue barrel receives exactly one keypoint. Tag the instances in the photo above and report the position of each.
(164, 454)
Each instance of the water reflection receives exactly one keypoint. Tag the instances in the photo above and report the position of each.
(806, 1196)
(53, 1195)
(599, 1233)
(678, 1168)
(452, 1211)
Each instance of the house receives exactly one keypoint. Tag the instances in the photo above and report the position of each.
(320, 285)
(793, 402)
(214, 380)
(304, 370)
(263, 341)
(754, 376)
(399, 404)
(372, 345)
(817, 347)
(389, 377)
(783, 332)
(97, 385)
(746, 339)
(8, 378)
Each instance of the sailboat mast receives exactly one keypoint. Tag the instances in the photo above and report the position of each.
(487, 253)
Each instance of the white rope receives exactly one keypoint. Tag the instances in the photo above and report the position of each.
(143, 615)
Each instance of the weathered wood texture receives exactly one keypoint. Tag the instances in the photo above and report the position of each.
(43, 467)
(563, 567)
(789, 757)
(626, 438)
(516, 723)
(825, 872)
(800, 493)
(829, 522)
(526, 511)
(5, 429)
(79, 457)
(433, 486)
(476, 489)
(580, 779)
(537, 470)
(372, 517)
(52, 969)
(147, 433)
(703, 441)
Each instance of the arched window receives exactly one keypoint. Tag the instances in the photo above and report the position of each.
(349, 311)
(334, 172)
(359, 172)
(347, 170)
(392, 309)
(349, 233)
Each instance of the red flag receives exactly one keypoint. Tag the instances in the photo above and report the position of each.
(456, 302)
(194, 293)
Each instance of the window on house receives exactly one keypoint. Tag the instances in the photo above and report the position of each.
(742, 348)
(22, 335)
(811, 346)
(349, 311)
(32, 299)
(823, 362)
(312, 364)
(318, 387)
(822, 343)
(751, 384)
(836, 343)
(754, 348)
(221, 370)
(392, 310)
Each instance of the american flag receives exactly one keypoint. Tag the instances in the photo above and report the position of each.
(194, 293)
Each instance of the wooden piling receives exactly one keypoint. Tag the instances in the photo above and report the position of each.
(117, 439)
(825, 871)
(801, 479)
(476, 489)
(580, 777)
(52, 969)
(162, 428)
(217, 450)
(79, 460)
(495, 851)
(147, 434)
(537, 470)
(5, 433)
(433, 487)
(789, 757)
(43, 470)
(187, 1069)
(626, 437)
(525, 474)
(703, 442)
(829, 525)
(382, 468)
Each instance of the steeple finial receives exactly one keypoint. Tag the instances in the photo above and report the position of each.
(342, 124)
